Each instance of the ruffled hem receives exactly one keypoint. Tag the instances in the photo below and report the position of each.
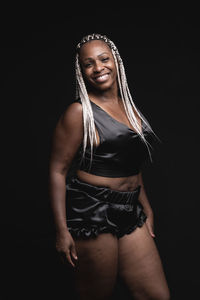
(91, 232)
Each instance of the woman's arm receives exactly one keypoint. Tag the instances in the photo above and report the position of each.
(147, 207)
(66, 140)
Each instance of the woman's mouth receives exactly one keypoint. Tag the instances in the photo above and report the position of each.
(101, 78)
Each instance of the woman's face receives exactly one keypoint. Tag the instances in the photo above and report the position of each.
(98, 65)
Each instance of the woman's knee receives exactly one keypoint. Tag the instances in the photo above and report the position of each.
(159, 294)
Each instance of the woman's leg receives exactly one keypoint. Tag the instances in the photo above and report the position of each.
(96, 269)
(140, 266)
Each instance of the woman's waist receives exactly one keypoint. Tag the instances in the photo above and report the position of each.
(126, 184)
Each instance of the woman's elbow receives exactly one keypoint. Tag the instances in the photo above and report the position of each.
(58, 169)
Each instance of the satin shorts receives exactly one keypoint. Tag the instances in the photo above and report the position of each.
(92, 210)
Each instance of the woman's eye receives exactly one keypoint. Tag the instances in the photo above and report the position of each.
(88, 65)
(105, 59)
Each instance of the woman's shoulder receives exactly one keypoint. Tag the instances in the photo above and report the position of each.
(74, 108)
(73, 114)
(78, 101)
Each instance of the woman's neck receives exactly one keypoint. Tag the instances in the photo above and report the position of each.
(110, 95)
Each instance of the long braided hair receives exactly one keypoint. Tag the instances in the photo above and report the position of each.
(82, 94)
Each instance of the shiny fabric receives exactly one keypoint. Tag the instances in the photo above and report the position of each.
(121, 151)
(91, 210)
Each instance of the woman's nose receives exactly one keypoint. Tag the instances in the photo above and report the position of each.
(98, 67)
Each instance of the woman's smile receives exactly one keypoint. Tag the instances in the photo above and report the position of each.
(102, 78)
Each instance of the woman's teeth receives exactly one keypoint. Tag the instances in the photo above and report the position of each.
(102, 78)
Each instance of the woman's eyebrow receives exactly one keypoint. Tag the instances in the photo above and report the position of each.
(103, 53)
(91, 58)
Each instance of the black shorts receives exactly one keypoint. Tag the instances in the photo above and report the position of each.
(91, 210)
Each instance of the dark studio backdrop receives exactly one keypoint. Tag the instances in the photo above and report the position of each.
(160, 50)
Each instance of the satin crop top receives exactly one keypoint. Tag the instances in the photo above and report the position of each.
(121, 151)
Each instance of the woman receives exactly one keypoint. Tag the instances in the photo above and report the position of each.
(103, 219)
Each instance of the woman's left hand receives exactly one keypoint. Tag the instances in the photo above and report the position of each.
(150, 224)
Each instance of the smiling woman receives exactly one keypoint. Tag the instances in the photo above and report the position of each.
(93, 59)
(103, 219)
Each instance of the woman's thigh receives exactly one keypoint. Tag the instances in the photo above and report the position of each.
(140, 266)
(96, 270)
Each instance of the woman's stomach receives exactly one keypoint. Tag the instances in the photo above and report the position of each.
(119, 184)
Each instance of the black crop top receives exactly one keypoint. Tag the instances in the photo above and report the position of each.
(121, 151)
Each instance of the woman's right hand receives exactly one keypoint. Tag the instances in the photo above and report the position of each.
(66, 247)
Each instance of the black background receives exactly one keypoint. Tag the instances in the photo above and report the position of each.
(160, 49)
